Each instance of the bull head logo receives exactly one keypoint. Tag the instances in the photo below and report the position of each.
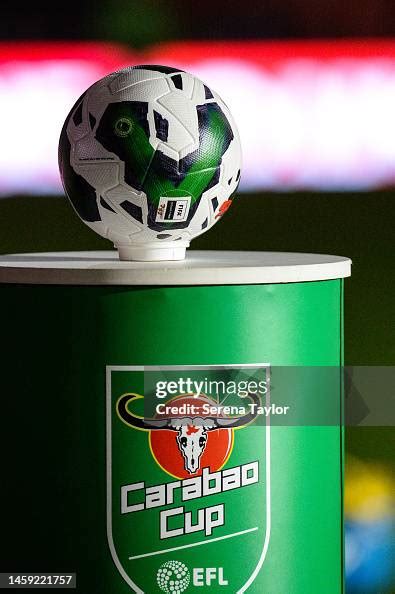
(192, 432)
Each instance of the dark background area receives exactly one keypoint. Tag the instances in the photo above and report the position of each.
(140, 22)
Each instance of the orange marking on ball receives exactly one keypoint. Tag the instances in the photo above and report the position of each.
(223, 208)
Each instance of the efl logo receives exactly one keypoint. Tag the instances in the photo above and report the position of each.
(208, 576)
(173, 577)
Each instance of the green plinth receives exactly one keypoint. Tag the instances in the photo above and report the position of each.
(71, 349)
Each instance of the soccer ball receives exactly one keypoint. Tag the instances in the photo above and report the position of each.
(150, 157)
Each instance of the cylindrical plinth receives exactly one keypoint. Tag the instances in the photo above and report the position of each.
(90, 489)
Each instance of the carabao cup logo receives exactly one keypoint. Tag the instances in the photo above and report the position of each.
(188, 486)
(183, 445)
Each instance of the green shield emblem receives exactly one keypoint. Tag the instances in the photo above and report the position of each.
(188, 476)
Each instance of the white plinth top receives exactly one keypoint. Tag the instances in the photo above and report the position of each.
(199, 268)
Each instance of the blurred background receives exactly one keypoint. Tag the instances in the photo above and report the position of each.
(312, 87)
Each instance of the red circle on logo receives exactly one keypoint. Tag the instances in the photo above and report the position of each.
(184, 452)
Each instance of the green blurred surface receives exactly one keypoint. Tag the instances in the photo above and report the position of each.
(136, 22)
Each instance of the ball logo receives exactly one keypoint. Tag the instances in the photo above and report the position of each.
(183, 445)
(123, 127)
(173, 577)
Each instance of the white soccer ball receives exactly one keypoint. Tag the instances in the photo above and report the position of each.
(150, 157)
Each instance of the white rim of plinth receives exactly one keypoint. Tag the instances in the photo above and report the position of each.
(199, 268)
